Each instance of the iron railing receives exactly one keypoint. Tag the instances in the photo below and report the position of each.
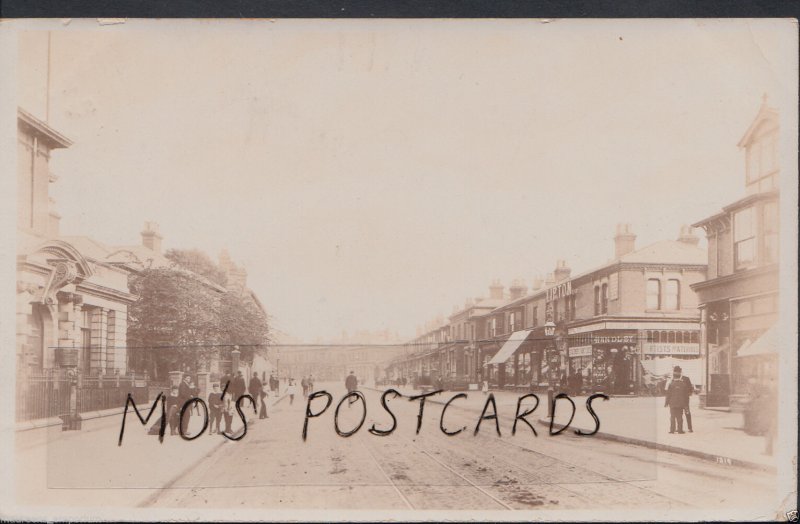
(47, 394)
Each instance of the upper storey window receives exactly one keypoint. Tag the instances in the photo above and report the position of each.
(762, 162)
(744, 238)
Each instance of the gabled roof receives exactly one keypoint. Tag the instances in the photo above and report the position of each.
(765, 114)
(88, 246)
(668, 252)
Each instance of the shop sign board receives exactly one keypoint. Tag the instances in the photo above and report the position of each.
(614, 339)
(559, 291)
(675, 348)
(580, 351)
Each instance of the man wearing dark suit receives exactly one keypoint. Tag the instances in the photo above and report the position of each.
(185, 392)
(255, 387)
(215, 408)
(677, 399)
(238, 386)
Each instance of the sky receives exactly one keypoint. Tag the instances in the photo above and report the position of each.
(373, 174)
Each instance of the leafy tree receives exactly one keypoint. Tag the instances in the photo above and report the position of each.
(245, 324)
(174, 323)
(198, 262)
(181, 321)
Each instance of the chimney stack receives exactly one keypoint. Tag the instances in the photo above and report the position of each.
(687, 236)
(624, 241)
(151, 238)
(562, 272)
(518, 289)
(496, 290)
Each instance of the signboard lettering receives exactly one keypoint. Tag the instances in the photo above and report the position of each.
(559, 291)
(654, 348)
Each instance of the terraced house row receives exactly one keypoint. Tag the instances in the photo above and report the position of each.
(615, 328)
(622, 326)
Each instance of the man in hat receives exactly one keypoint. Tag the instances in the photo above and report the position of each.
(677, 399)
(238, 386)
(215, 408)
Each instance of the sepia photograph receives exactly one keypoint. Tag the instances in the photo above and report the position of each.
(399, 270)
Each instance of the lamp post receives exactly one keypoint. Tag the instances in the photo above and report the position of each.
(549, 331)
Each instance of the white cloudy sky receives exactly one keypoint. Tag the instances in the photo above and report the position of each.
(372, 174)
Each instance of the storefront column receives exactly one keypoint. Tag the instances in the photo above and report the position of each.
(67, 325)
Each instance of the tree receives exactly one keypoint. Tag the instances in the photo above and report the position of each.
(181, 320)
(199, 263)
(245, 324)
(174, 323)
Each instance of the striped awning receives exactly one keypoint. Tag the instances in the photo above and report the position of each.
(512, 344)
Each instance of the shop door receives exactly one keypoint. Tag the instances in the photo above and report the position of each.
(719, 390)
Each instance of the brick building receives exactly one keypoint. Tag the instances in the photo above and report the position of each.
(619, 327)
(739, 300)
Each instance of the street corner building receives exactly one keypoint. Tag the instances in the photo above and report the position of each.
(72, 292)
(739, 300)
(68, 299)
(73, 296)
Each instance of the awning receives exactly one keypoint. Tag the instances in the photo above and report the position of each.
(766, 344)
(661, 367)
(511, 345)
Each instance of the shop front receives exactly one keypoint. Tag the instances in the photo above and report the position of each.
(662, 350)
(604, 361)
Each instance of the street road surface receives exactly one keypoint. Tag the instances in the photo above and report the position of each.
(272, 467)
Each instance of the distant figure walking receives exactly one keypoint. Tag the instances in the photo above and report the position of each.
(351, 383)
(263, 412)
(291, 390)
(255, 387)
(304, 385)
(677, 399)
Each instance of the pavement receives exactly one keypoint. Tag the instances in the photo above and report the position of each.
(68, 468)
(644, 421)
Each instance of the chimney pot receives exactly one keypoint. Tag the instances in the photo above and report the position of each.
(561, 272)
(687, 236)
(151, 238)
(624, 240)
(496, 290)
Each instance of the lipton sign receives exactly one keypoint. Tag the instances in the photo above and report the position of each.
(559, 291)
